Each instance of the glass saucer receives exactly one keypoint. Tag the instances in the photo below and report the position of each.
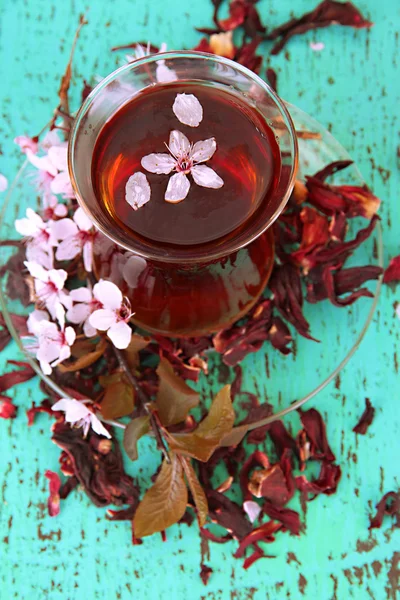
(286, 382)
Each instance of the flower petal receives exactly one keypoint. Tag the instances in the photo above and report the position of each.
(3, 183)
(132, 269)
(252, 509)
(162, 164)
(137, 190)
(188, 109)
(74, 410)
(58, 277)
(82, 220)
(45, 366)
(98, 427)
(88, 329)
(102, 319)
(203, 150)
(25, 143)
(78, 313)
(61, 184)
(48, 351)
(82, 294)
(70, 335)
(178, 188)
(60, 210)
(37, 271)
(58, 156)
(88, 255)
(165, 74)
(60, 315)
(120, 334)
(41, 255)
(178, 143)
(43, 163)
(50, 139)
(35, 321)
(108, 294)
(64, 228)
(68, 248)
(206, 177)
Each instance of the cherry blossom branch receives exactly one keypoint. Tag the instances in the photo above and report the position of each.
(144, 402)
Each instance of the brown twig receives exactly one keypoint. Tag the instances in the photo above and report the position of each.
(144, 402)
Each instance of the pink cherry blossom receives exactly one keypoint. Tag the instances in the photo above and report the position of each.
(184, 158)
(163, 73)
(27, 143)
(114, 315)
(77, 237)
(53, 169)
(52, 209)
(49, 287)
(39, 238)
(252, 509)
(86, 302)
(51, 343)
(79, 415)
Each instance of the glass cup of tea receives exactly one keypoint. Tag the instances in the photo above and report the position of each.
(195, 252)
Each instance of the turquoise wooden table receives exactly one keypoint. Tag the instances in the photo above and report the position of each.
(351, 86)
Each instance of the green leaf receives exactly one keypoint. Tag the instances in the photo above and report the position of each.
(85, 359)
(197, 491)
(174, 398)
(118, 400)
(164, 503)
(202, 442)
(133, 432)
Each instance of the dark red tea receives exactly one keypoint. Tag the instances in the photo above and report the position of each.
(247, 159)
(177, 298)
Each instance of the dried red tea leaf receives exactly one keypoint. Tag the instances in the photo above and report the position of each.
(328, 12)
(19, 322)
(250, 560)
(101, 475)
(270, 484)
(365, 419)
(237, 15)
(8, 380)
(86, 359)
(326, 483)
(315, 234)
(85, 90)
(227, 514)
(352, 200)
(221, 44)
(272, 79)
(285, 284)
(279, 336)
(126, 514)
(290, 519)
(263, 533)
(281, 438)
(392, 272)
(315, 429)
(175, 399)
(172, 351)
(8, 410)
(135, 429)
(205, 573)
(325, 283)
(332, 168)
(217, 539)
(239, 340)
(53, 503)
(252, 24)
(256, 413)
(202, 442)
(68, 486)
(16, 284)
(247, 57)
(43, 407)
(164, 503)
(256, 459)
(203, 45)
(388, 505)
(198, 495)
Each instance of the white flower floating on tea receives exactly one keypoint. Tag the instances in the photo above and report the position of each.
(184, 158)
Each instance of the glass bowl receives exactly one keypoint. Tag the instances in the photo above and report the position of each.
(286, 382)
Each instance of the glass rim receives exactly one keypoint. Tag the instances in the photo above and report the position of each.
(188, 256)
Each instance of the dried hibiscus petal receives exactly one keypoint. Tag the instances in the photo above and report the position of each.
(388, 505)
(247, 57)
(272, 78)
(326, 483)
(328, 12)
(53, 503)
(264, 533)
(315, 234)
(8, 410)
(8, 380)
(285, 284)
(354, 201)
(392, 272)
(332, 168)
(316, 432)
(101, 475)
(228, 514)
(281, 438)
(366, 418)
(43, 407)
(257, 459)
(290, 519)
(271, 484)
(324, 283)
